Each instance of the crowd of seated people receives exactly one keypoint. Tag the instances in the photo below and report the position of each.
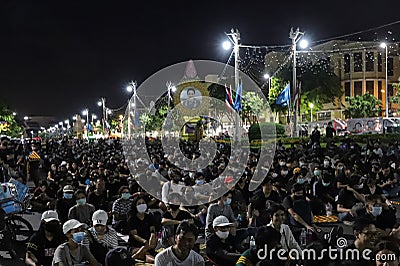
(97, 188)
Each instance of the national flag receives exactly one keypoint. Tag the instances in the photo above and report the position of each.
(228, 98)
(284, 97)
(137, 119)
(238, 99)
(89, 127)
(296, 97)
(34, 156)
(107, 125)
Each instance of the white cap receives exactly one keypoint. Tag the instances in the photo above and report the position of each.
(51, 215)
(99, 217)
(63, 163)
(221, 221)
(71, 224)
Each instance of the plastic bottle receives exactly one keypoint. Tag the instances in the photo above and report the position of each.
(328, 208)
(252, 242)
(303, 237)
(239, 218)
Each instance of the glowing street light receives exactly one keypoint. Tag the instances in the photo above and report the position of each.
(86, 112)
(268, 77)
(26, 118)
(226, 45)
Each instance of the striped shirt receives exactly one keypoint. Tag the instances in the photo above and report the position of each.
(122, 207)
(110, 239)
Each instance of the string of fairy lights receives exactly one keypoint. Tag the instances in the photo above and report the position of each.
(252, 59)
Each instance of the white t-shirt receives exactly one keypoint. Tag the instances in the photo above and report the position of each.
(169, 188)
(168, 258)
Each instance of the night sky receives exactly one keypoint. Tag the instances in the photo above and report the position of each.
(58, 57)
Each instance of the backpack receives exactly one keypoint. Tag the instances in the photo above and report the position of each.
(119, 256)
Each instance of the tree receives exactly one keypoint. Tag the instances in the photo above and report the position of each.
(396, 98)
(8, 125)
(252, 106)
(361, 106)
(319, 85)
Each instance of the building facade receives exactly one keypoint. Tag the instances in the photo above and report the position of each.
(360, 67)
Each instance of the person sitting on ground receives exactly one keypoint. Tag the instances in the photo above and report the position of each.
(170, 221)
(257, 209)
(299, 209)
(365, 233)
(82, 211)
(350, 200)
(65, 203)
(73, 252)
(383, 215)
(100, 238)
(141, 230)
(267, 238)
(99, 197)
(278, 216)
(181, 253)
(219, 247)
(121, 208)
(387, 253)
(43, 243)
(41, 200)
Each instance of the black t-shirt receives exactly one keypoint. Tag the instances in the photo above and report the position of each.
(300, 206)
(222, 253)
(42, 248)
(322, 191)
(366, 191)
(98, 201)
(260, 199)
(141, 226)
(182, 215)
(62, 206)
(347, 198)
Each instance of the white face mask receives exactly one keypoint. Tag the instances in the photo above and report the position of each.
(376, 211)
(222, 235)
(141, 208)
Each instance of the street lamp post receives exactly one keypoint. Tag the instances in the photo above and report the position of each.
(234, 37)
(295, 36)
(131, 87)
(102, 103)
(268, 77)
(86, 112)
(384, 45)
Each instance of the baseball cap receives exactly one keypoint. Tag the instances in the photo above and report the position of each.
(68, 188)
(50, 215)
(221, 221)
(63, 163)
(71, 224)
(99, 217)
